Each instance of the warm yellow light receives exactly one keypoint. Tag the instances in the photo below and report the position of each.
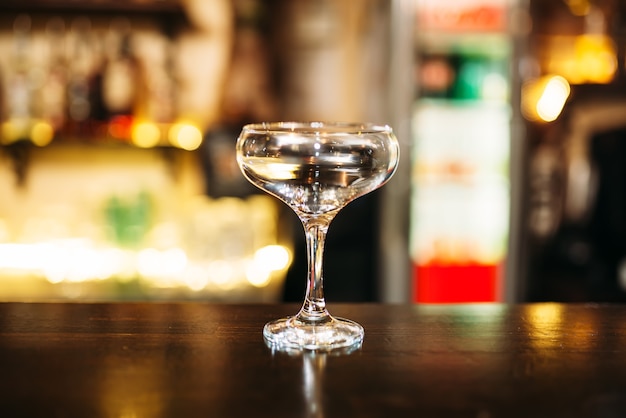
(41, 134)
(267, 260)
(12, 130)
(588, 58)
(597, 58)
(221, 273)
(551, 102)
(145, 135)
(17, 256)
(174, 260)
(65, 260)
(541, 321)
(257, 277)
(579, 7)
(185, 136)
(543, 99)
(196, 277)
(161, 264)
(272, 257)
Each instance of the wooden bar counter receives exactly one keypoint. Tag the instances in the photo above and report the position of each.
(132, 360)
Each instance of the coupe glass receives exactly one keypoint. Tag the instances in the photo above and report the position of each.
(316, 168)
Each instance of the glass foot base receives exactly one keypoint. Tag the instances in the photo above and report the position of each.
(325, 335)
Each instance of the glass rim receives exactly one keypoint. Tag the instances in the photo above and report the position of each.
(314, 127)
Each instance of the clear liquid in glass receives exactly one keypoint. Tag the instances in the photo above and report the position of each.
(316, 168)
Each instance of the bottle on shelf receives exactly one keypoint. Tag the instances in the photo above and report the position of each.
(52, 97)
(156, 89)
(155, 107)
(83, 89)
(119, 80)
(18, 106)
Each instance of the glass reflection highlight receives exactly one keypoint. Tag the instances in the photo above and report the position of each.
(313, 367)
(549, 328)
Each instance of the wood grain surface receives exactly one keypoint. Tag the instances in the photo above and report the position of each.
(130, 360)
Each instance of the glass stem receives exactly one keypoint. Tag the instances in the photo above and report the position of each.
(314, 307)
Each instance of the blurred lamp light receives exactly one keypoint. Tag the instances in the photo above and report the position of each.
(41, 134)
(185, 136)
(551, 102)
(587, 58)
(145, 135)
(578, 7)
(543, 99)
(12, 130)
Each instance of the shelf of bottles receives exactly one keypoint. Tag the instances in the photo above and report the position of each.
(90, 79)
(114, 204)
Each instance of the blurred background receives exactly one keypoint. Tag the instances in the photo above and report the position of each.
(119, 118)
